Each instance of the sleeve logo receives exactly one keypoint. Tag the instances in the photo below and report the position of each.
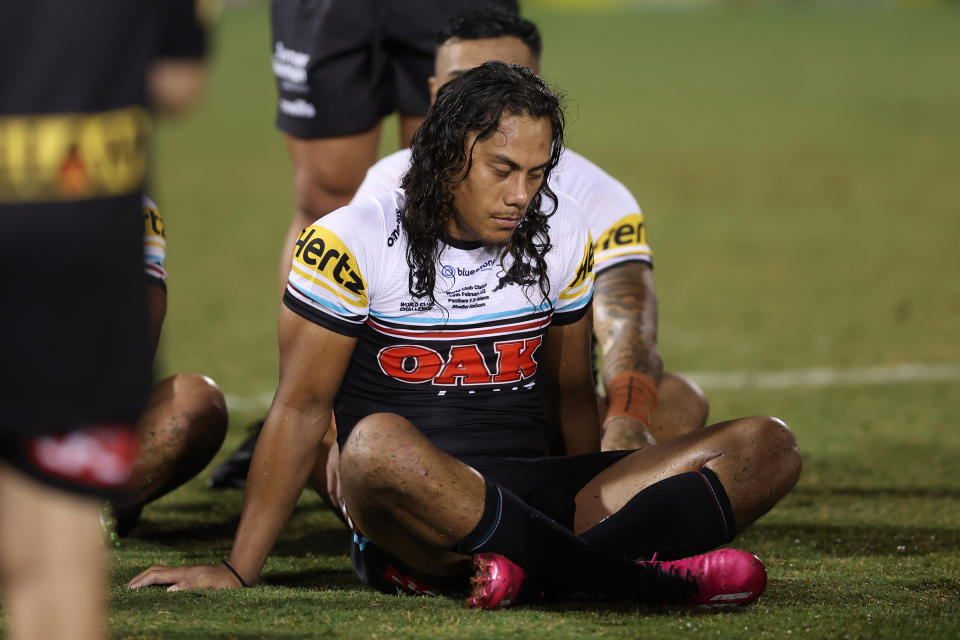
(585, 270)
(628, 231)
(153, 223)
(321, 251)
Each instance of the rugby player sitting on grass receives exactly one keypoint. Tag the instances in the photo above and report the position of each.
(185, 418)
(437, 320)
(646, 403)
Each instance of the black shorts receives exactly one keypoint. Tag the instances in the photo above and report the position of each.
(549, 485)
(73, 332)
(342, 65)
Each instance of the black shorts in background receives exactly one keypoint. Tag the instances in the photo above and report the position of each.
(342, 65)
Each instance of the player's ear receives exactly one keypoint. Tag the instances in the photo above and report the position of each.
(432, 83)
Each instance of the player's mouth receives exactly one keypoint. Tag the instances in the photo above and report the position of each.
(507, 222)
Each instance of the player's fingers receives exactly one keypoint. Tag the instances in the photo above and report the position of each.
(151, 576)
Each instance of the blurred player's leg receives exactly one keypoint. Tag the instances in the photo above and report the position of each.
(51, 561)
(181, 429)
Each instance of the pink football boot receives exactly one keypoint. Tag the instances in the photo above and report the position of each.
(496, 582)
(725, 577)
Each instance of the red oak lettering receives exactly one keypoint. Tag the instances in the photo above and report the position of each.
(422, 363)
(464, 366)
(465, 362)
(516, 359)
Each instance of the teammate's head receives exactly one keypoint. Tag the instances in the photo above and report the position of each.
(478, 172)
(490, 32)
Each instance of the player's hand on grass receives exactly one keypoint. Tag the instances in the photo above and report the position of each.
(625, 432)
(205, 576)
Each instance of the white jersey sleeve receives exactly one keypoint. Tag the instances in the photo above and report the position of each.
(335, 264)
(570, 236)
(613, 215)
(154, 243)
(384, 176)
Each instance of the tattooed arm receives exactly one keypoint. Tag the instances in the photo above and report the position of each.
(625, 324)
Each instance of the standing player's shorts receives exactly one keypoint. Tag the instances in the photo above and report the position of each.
(95, 460)
(342, 65)
(73, 332)
(549, 485)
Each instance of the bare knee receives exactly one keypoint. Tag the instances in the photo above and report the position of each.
(328, 171)
(197, 408)
(199, 397)
(317, 193)
(380, 456)
(772, 440)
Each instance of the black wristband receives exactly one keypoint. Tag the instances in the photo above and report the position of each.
(234, 572)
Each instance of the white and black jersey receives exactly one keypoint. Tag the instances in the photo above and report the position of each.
(463, 370)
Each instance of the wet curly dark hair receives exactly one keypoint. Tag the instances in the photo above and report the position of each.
(468, 110)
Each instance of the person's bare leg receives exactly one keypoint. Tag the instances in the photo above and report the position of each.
(326, 174)
(681, 408)
(181, 429)
(408, 496)
(418, 503)
(52, 561)
(325, 477)
(756, 459)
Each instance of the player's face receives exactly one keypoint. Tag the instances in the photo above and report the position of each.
(507, 171)
(454, 57)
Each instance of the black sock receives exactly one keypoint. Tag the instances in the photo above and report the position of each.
(558, 558)
(680, 516)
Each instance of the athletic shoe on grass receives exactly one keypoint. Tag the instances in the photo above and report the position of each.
(495, 583)
(723, 578)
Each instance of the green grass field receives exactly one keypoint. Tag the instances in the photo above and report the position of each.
(798, 167)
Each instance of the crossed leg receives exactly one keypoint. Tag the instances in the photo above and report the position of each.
(417, 502)
(756, 459)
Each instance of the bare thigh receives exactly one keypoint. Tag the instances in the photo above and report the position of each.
(407, 496)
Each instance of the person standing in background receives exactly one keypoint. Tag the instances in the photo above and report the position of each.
(75, 86)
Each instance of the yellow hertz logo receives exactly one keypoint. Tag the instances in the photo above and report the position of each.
(72, 156)
(627, 231)
(585, 270)
(153, 223)
(320, 251)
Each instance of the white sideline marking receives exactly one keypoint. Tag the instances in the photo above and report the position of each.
(826, 377)
(786, 379)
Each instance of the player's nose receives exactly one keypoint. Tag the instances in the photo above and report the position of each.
(517, 193)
